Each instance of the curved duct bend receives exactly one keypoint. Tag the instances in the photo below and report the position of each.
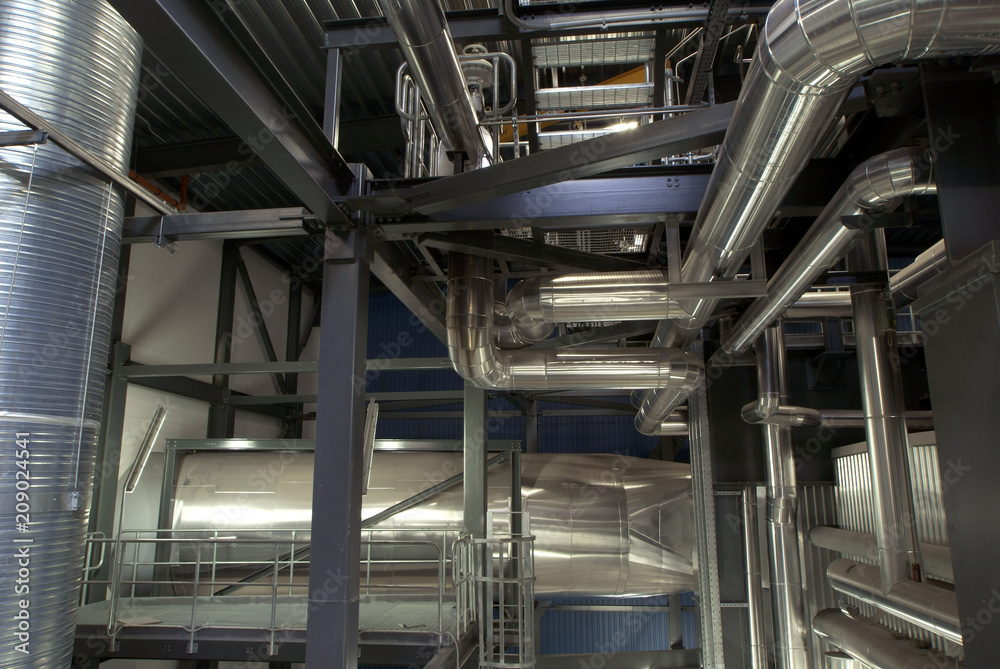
(879, 182)
(426, 43)
(77, 65)
(809, 55)
(874, 645)
(930, 607)
(477, 358)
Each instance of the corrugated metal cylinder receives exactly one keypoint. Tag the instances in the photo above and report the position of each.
(77, 65)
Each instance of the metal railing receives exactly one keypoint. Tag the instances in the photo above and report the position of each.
(269, 572)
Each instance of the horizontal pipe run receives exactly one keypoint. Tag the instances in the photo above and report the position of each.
(476, 357)
(767, 411)
(927, 606)
(936, 559)
(874, 645)
(905, 282)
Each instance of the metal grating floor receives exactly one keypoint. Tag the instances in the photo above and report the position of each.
(594, 97)
(592, 240)
(590, 51)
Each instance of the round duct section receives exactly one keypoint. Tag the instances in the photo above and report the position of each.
(77, 65)
(604, 525)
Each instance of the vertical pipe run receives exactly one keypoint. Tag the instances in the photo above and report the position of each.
(76, 64)
(755, 604)
(885, 421)
(790, 628)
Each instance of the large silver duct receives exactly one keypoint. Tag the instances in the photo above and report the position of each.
(476, 357)
(936, 559)
(791, 630)
(875, 646)
(879, 182)
(425, 40)
(604, 525)
(928, 606)
(810, 53)
(76, 64)
(885, 423)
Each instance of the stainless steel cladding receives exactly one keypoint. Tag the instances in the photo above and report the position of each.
(874, 645)
(879, 182)
(474, 353)
(605, 525)
(77, 65)
(809, 55)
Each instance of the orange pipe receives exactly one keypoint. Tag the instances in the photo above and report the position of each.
(155, 190)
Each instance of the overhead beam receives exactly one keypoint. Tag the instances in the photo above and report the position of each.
(242, 224)
(510, 249)
(423, 298)
(680, 134)
(188, 39)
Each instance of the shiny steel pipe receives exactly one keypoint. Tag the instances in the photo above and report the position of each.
(755, 593)
(927, 606)
(791, 632)
(77, 65)
(879, 182)
(936, 559)
(675, 425)
(927, 265)
(425, 40)
(476, 357)
(810, 53)
(853, 418)
(818, 305)
(874, 645)
(885, 423)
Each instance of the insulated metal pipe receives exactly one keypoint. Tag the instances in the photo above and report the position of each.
(810, 53)
(927, 265)
(879, 182)
(476, 357)
(885, 423)
(791, 631)
(76, 64)
(874, 645)
(422, 30)
(755, 594)
(936, 559)
(928, 606)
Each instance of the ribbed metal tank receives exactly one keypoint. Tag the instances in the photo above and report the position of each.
(605, 525)
(77, 65)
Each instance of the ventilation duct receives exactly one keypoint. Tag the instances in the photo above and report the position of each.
(425, 40)
(476, 357)
(604, 525)
(875, 646)
(936, 559)
(809, 55)
(927, 265)
(77, 65)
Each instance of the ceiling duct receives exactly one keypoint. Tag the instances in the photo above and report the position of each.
(809, 55)
(76, 64)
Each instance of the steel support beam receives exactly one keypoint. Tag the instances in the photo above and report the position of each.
(222, 418)
(474, 438)
(332, 632)
(608, 333)
(705, 60)
(689, 132)
(293, 426)
(423, 298)
(524, 251)
(258, 321)
(190, 41)
(243, 224)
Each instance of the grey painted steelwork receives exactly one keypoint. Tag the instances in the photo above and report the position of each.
(936, 559)
(791, 630)
(476, 357)
(426, 43)
(249, 224)
(605, 525)
(874, 645)
(885, 423)
(77, 65)
(928, 606)
(880, 182)
(809, 55)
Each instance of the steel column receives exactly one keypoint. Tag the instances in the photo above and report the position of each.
(332, 632)
(222, 418)
(474, 437)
